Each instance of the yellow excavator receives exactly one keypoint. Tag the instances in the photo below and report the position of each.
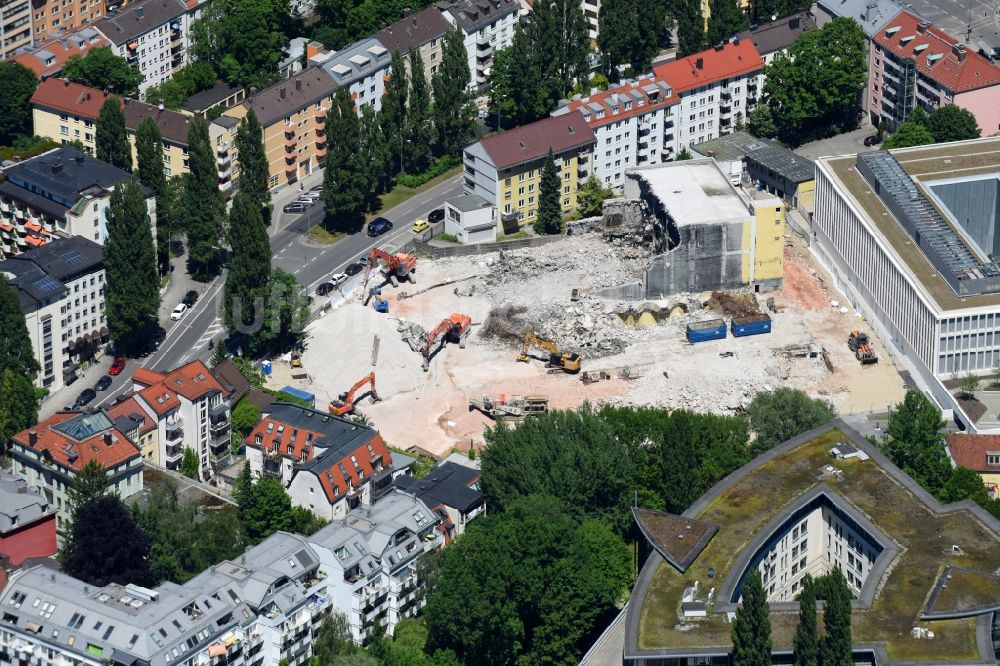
(565, 361)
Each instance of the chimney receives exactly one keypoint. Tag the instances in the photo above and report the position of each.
(107, 439)
(22, 489)
(57, 167)
(959, 51)
(407, 12)
(699, 63)
(298, 84)
(870, 11)
(922, 27)
(32, 437)
(793, 23)
(282, 92)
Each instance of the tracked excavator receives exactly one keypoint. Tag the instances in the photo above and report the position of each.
(395, 267)
(455, 329)
(557, 361)
(345, 403)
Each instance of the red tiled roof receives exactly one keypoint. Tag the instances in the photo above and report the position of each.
(159, 399)
(722, 62)
(66, 96)
(971, 450)
(73, 454)
(191, 381)
(609, 100)
(303, 442)
(330, 476)
(935, 56)
(533, 141)
(49, 56)
(130, 408)
(146, 377)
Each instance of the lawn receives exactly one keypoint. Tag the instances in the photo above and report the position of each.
(318, 234)
(926, 541)
(401, 193)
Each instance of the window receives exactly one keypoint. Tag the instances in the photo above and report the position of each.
(993, 458)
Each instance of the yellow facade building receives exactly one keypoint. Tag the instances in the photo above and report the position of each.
(981, 454)
(505, 169)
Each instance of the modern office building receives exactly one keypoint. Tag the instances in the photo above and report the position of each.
(914, 63)
(922, 575)
(505, 169)
(61, 289)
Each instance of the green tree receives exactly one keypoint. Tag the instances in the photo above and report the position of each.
(516, 94)
(102, 69)
(132, 295)
(805, 644)
(527, 585)
(684, 155)
(690, 25)
(837, 646)
(91, 483)
(969, 386)
(453, 108)
(952, 123)
(909, 133)
(376, 158)
(269, 510)
(253, 161)
(777, 416)
(591, 196)
(18, 403)
(618, 34)
(149, 155)
(189, 464)
(16, 352)
(105, 545)
(249, 276)
(571, 455)
(995, 374)
(751, 634)
(111, 137)
(285, 316)
(812, 91)
(243, 491)
(333, 639)
(725, 20)
(965, 484)
(243, 41)
(393, 116)
(559, 38)
(760, 122)
(17, 85)
(549, 220)
(244, 417)
(344, 183)
(203, 204)
(914, 441)
(192, 78)
(419, 123)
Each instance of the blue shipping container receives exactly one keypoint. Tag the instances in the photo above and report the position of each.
(300, 394)
(703, 331)
(754, 325)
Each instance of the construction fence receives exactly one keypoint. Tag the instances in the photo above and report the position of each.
(439, 252)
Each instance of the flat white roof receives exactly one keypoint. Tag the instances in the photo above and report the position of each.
(693, 192)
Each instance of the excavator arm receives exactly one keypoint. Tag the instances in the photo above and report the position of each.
(568, 361)
(346, 402)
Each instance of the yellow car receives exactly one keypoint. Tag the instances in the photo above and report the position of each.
(421, 225)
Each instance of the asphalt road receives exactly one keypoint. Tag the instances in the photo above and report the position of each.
(953, 16)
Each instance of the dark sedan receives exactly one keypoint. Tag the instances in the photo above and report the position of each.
(103, 383)
(435, 215)
(85, 397)
(354, 269)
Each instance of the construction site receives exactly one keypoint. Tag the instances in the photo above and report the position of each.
(511, 334)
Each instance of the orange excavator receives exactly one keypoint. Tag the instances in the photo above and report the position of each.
(455, 328)
(396, 267)
(345, 403)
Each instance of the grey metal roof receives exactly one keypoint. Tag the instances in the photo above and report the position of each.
(40, 273)
(741, 145)
(340, 436)
(474, 14)
(357, 61)
(291, 95)
(871, 15)
(468, 202)
(449, 484)
(206, 99)
(138, 18)
(19, 505)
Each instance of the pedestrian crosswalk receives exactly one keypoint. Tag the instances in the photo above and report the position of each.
(210, 333)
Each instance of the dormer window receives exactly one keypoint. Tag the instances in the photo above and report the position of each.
(993, 458)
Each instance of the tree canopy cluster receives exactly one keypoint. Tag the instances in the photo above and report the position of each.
(193, 78)
(17, 85)
(18, 367)
(631, 33)
(343, 22)
(334, 646)
(946, 123)
(777, 416)
(100, 68)
(812, 91)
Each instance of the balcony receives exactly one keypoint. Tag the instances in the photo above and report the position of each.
(320, 116)
(290, 140)
(484, 50)
(725, 97)
(725, 109)
(174, 452)
(174, 434)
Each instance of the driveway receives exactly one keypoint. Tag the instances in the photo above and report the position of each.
(848, 143)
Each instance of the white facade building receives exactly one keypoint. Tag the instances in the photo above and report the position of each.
(362, 68)
(487, 26)
(471, 219)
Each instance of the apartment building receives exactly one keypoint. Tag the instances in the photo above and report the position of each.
(63, 192)
(131, 418)
(423, 31)
(52, 16)
(634, 123)
(716, 89)
(259, 611)
(292, 113)
(50, 454)
(774, 37)
(61, 289)
(153, 35)
(981, 454)
(27, 521)
(191, 410)
(328, 464)
(451, 491)
(487, 26)
(363, 69)
(505, 169)
(371, 558)
(15, 26)
(46, 58)
(592, 12)
(913, 63)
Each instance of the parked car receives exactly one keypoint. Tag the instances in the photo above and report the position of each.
(103, 383)
(312, 195)
(69, 377)
(117, 366)
(86, 395)
(338, 279)
(421, 225)
(354, 269)
(324, 288)
(363, 260)
(305, 200)
(872, 140)
(178, 312)
(435, 215)
(190, 298)
(379, 226)
(294, 207)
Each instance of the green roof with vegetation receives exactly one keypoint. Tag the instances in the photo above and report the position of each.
(925, 536)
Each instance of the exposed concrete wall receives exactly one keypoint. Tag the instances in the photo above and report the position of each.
(706, 257)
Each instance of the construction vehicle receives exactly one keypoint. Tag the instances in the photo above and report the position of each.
(296, 359)
(859, 343)
(514, 408)
(565, 361)
(856, 339)
(346, 401)
(381, 304)
(394, 267)
(455, 329)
